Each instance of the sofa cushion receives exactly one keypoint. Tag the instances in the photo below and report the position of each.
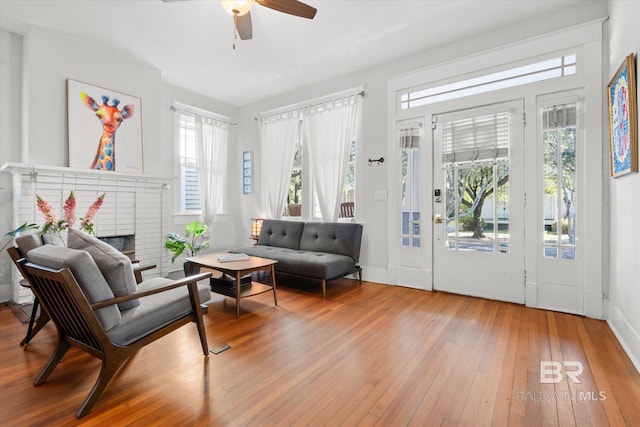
(332, 237)
(281, 234)
(86, 273)
(114, 265)
(154, 311)
(316, 265)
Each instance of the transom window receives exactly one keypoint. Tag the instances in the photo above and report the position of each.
(542, 70)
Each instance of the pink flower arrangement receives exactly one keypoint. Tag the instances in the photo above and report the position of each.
(46, 209)
(53, 225)
(69, 210)
(85, 222)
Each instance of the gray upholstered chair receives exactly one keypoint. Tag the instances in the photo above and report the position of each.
(99, 315)
(27, 242)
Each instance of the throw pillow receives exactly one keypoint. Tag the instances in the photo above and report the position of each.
(114, 265)
(87, 275)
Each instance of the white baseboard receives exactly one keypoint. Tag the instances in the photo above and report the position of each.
(627, 336)
(373, 274)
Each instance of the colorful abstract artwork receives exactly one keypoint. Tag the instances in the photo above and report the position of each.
(623, 127)
(105, 129)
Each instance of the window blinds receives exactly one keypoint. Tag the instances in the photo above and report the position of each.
(410, 135)
(481, 137)
(559, 116)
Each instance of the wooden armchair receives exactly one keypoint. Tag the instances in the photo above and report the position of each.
(72, 292)
(31, 241)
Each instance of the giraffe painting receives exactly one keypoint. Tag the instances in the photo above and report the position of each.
(111, 117)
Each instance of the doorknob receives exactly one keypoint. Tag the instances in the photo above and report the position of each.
(438, 219)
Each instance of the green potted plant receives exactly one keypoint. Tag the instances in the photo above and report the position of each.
(191, 244)
(14, 233)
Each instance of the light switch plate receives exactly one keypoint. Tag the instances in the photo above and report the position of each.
(380, 195)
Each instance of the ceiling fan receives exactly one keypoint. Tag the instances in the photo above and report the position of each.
(242, 17)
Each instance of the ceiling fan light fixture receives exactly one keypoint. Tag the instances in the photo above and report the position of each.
(237, 7)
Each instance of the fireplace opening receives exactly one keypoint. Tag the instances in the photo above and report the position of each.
(125, 244)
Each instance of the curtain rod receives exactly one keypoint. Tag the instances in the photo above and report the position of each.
(212, 115)
(312, 102)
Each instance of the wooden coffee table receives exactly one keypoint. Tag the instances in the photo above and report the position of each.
(237, 269)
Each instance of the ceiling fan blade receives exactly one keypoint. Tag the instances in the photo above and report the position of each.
(292, 7)
(243, 26)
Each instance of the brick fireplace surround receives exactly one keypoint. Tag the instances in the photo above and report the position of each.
(135, 205)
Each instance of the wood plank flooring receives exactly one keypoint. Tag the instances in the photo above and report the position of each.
(366, 355)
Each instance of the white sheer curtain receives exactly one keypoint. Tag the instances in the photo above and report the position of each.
(212, 138)
(278, 136)
(329, 129)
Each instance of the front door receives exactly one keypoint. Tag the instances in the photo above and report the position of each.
(478, 201)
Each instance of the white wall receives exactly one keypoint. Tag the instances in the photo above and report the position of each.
(10, 122)
(624, 276)
(373, 214)
(50, 59)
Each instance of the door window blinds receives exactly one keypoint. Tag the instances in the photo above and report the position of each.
(410, 135)
(470, 139)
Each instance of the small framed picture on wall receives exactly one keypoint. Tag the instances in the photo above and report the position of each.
(247, 172)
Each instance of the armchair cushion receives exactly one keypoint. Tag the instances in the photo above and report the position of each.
(27, 242)
(86, 273)
(154, 311)
(114, 265)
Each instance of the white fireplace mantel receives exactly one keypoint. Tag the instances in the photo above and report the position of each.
(135, 204)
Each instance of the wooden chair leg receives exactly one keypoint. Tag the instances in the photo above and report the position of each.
(58, 354)
(324, 288)
(201, 332)
(43, 319)
(32, 320)
(110, 368)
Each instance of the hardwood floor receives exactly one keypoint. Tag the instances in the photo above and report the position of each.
(365, 355)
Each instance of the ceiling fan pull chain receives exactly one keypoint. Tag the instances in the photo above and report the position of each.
(235, 30)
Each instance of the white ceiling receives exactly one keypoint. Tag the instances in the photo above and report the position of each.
(191, 41)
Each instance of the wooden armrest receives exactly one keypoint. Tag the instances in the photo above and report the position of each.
(178, 283)
(144, 267)
(137, 271)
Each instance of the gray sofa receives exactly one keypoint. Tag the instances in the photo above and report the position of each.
(317, 250)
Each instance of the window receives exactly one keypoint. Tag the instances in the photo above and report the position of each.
(303, 192)
(296, 189)
(189, 193)
(542, 70)
(349, 190)
(559, 186)
(294, 197)
(187, 189)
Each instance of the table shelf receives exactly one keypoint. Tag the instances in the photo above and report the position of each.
(249, 290)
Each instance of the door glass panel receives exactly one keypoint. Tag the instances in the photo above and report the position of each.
(559, 186)
(475, 158)
(410, 192)
(477, 206)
